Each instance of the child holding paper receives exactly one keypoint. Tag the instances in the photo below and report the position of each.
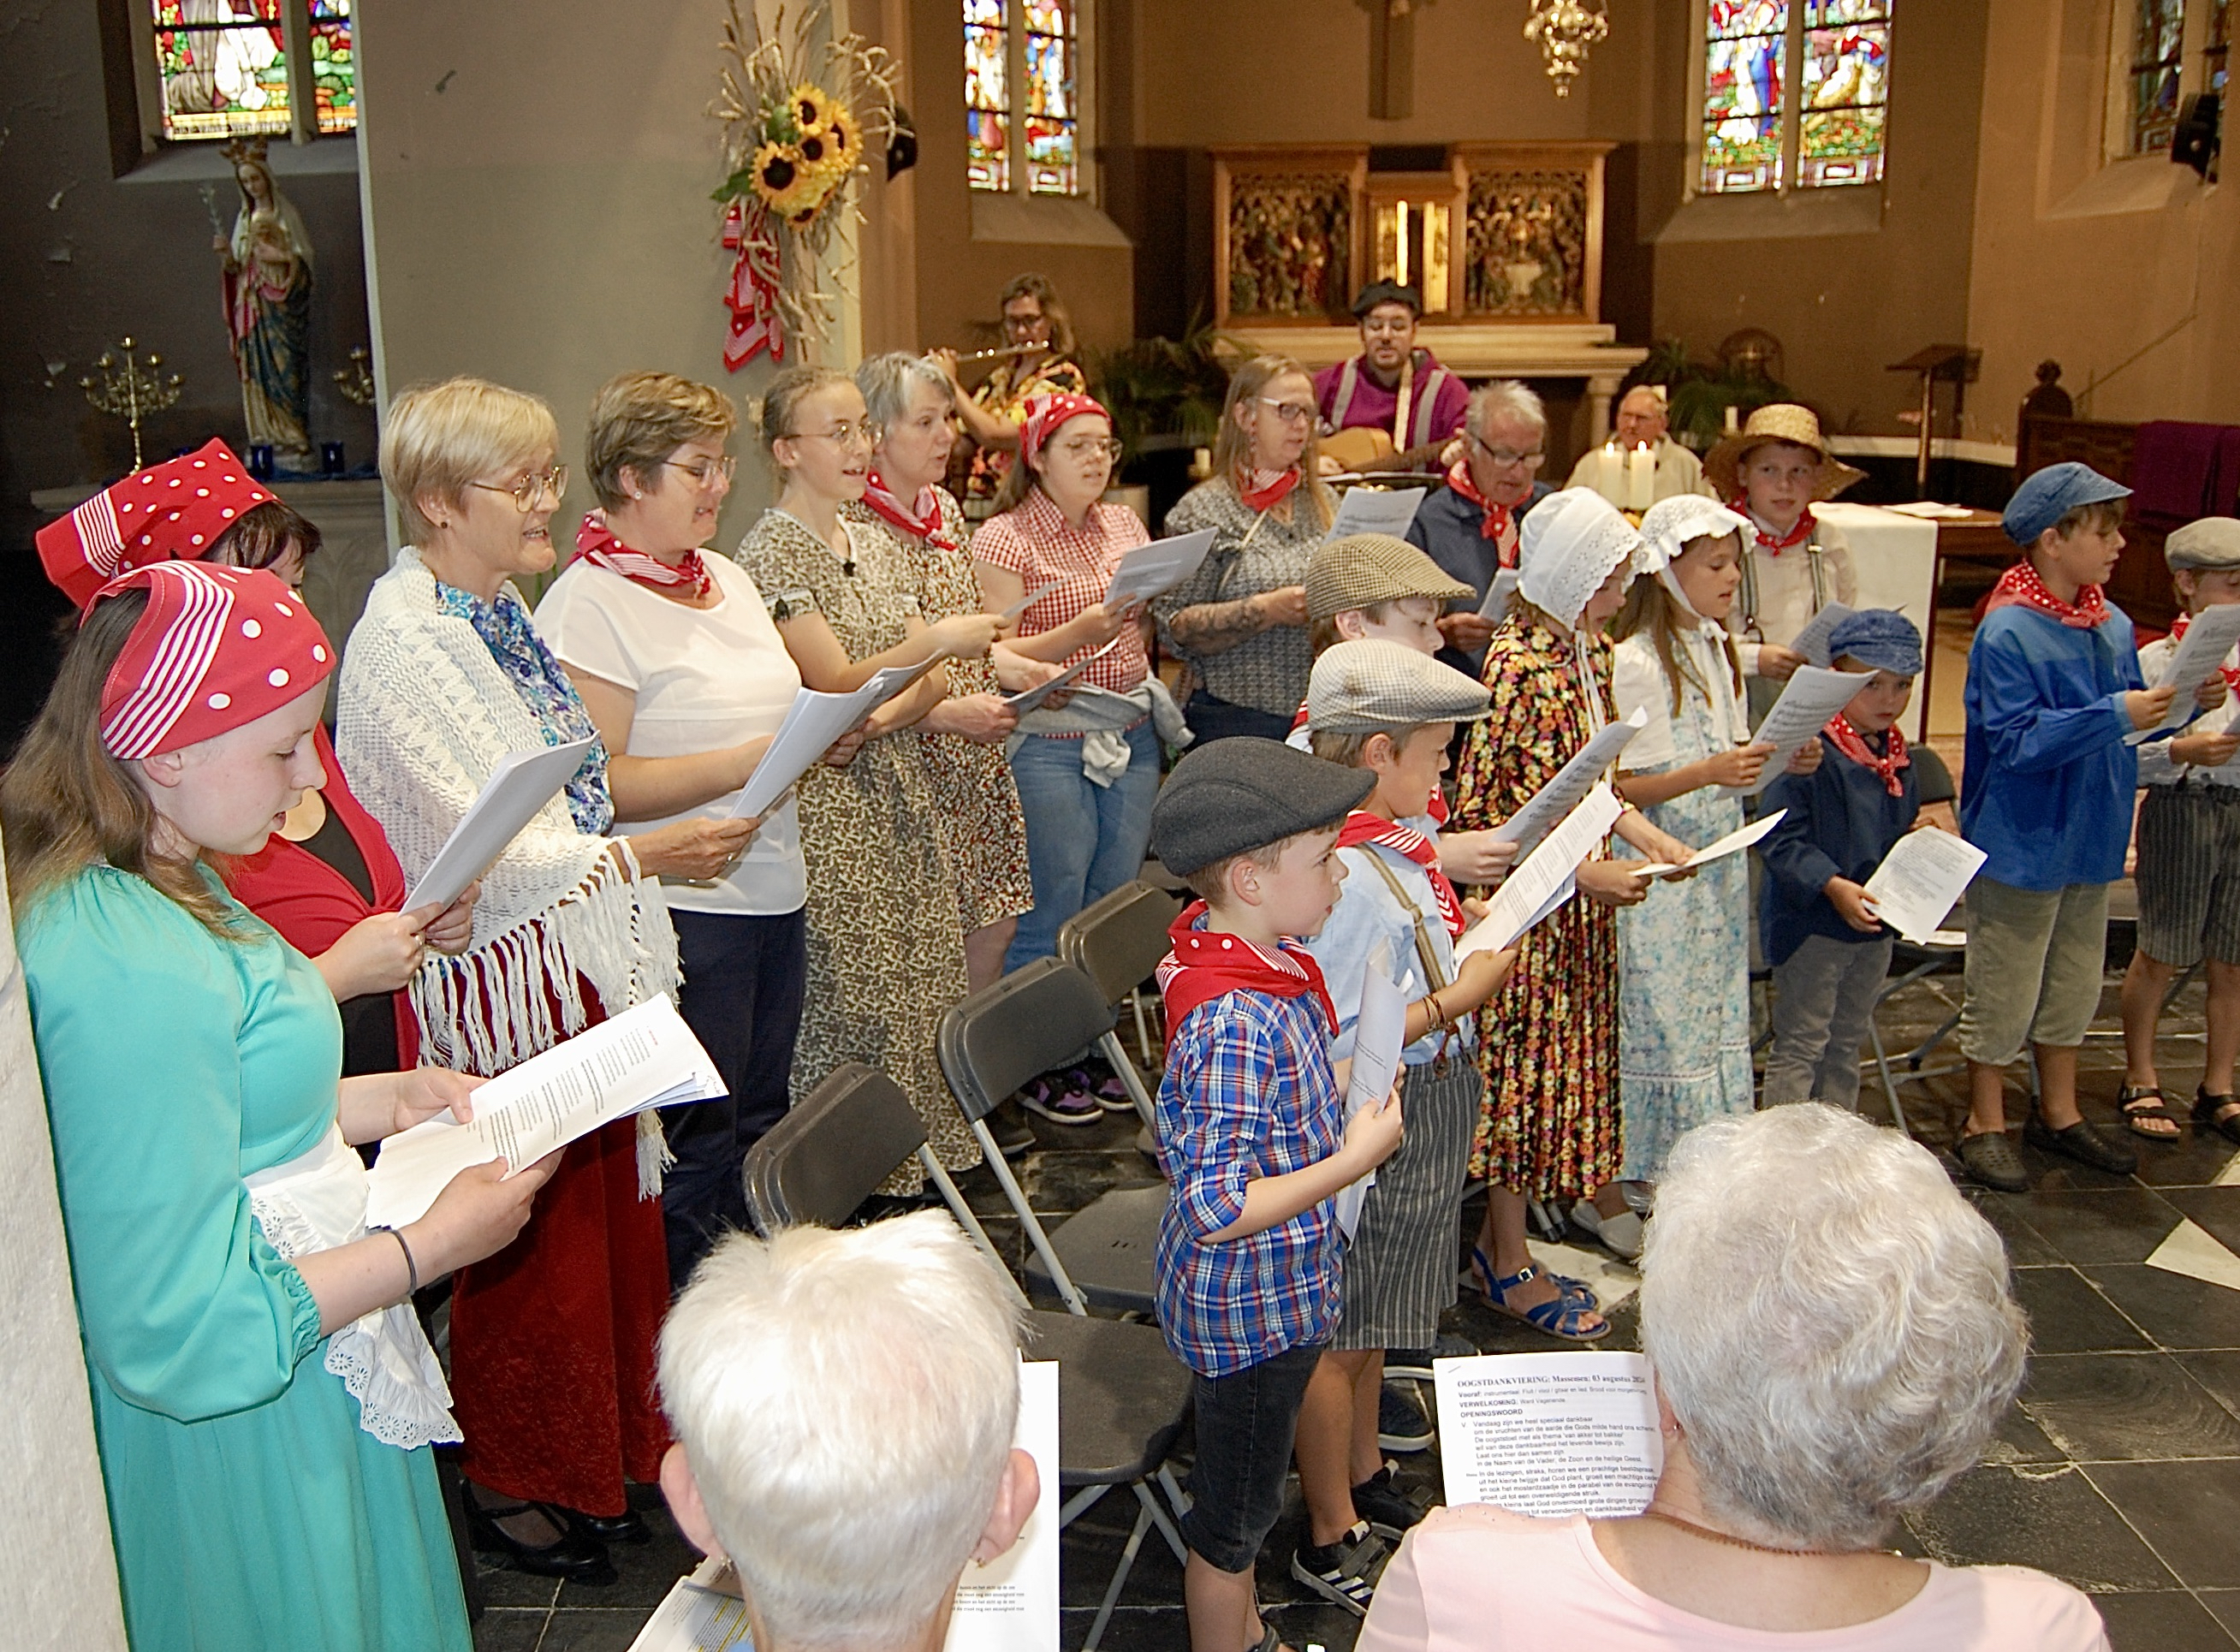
(2053, 688)
(1253, 1139)
(1550, 1126)
(1829, 951)
(1683, 952)
(2189, 858)
(1390, 710)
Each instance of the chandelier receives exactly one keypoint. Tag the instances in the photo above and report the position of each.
(1565, 29)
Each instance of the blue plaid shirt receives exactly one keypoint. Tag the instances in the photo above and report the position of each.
(1249, 1092)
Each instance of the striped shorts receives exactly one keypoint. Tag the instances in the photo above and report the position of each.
(2189, 873)
(1400, 1269)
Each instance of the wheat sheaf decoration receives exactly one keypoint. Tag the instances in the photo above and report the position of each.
(804, 112)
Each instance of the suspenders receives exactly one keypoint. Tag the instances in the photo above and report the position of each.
(1814, 564)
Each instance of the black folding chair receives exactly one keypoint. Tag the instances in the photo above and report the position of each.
(1911, 962)
(1122, 1395)
(1030, 1022)
(1117, 943)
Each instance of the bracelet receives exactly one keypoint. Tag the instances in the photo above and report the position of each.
(412, 1268)
(1439, 1016)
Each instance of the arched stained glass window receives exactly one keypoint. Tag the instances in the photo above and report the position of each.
(1027, 139)
(229, 68)
(1796, 94)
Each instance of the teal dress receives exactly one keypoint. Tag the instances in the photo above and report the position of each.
(248, 1508)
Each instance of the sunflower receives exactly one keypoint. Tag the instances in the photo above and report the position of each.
(845, 136)
(786, 183)
(812, 107)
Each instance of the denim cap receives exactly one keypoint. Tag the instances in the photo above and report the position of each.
(1231, 796)
(2047, 495)
(2213, 542)
(1376, 686)
(1881, 637)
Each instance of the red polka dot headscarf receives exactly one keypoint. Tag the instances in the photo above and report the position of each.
(217, 647)
(172, 511)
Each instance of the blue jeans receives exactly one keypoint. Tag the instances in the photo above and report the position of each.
(1083, 841)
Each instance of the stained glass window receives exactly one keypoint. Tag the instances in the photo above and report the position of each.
(1052, 129)
(2158, 29)
(1846, 92)
(334, 65)
(2216, 50)
(1745, 44)
(987, 100)
(224, 67)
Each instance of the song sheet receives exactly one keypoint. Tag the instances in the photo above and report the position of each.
(1010, 1604)
(812, 722)
(1499, 595)
(1920, 879)
(703, 1612)
(1572, 781)
(1733, 843)
(1027, 699)
(1374, 510)
(522, 783)
(1813, 695)
(2208, 639)
(1380, 1032)
(1158, 566)
(1812, 641)
(644, 1057)
(1029, 600)
(1550, 1434)
(1535, 887)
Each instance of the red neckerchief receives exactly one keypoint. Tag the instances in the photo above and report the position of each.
(1205, 965)
(1362, 827)
(1853, 744)
(2230, 674)
(1437, 808)
(920, 520)
(597, 544)
(1498, 522)
(1264, 490)
(1772, 547)
(2020, 587)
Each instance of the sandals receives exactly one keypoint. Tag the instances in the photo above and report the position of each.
(2142, 1106)
(2210, 1112)
(2082, 1142)
(1565, 1317)
(1482, 1278)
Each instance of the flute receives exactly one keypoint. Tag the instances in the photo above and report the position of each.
(1001, 351)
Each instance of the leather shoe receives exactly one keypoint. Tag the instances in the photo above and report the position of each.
(628, 1526)
(1990, 1158)
(574, 1554)
(2082, 1142)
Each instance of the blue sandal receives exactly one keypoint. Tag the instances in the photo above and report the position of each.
(1563, 1317)
(1575, 1291)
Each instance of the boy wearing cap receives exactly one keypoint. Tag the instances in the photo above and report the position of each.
(1253, 1140)
(1390, 710)
(1829, 951)
(2189, 858)
(2053, 688)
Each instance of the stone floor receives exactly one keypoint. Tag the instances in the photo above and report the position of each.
(2119, 1469)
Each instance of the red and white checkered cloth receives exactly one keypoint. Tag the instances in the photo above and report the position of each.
(1034, 541)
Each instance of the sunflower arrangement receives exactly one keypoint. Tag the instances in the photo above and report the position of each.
(799, 109)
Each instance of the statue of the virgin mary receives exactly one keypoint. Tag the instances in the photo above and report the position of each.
(268, 308)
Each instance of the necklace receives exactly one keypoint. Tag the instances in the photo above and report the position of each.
(1707, 1534)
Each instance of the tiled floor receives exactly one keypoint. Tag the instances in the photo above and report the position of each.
(2119, 1469)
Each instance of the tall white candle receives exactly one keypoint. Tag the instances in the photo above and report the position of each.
(1610, 474)
(1640, 478)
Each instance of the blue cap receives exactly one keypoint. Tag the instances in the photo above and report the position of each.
(2047, 495)
(1881, 637)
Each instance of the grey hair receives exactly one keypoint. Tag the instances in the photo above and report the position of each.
(1829, 1320)
(1518, 400)
(887, 381)
(846, 1401)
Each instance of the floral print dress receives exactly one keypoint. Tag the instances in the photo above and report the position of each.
(1550, 1126)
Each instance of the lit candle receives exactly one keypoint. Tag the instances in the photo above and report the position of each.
(1734, 419)
(1609, 473)
(1640, 478)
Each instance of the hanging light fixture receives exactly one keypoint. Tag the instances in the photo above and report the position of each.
(1565, 29)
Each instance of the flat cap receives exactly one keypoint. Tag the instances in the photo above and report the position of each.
(1231, 796)
(1360, 687)
(1386, 292)
(1362, 569)
(2047, 495)
(2213, 542)
(1881, 637)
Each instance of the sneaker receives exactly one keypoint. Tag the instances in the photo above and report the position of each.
(1344, 1573)
(1389, 1510)
(1057, 1101)
(1400, 1425)
(1103, 1087)
(1014, 1136)
(1990, 1158)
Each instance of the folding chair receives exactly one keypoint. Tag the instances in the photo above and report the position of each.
(1117, 943)
(1909, 964)
(1122, 1395)
(1030, 1021)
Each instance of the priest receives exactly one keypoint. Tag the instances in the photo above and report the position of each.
(1407, 407)
(1643, 420)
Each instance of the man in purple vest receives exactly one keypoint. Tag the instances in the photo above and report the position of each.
(1393, 386)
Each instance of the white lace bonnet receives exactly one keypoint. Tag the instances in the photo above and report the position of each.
(1671, 524)
(1567, 547)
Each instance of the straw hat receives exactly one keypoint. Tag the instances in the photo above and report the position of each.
(1777, 422)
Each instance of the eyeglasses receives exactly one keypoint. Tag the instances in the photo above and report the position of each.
(1290, 412)
(1389, 324)
(1023, 324)
(706, 470)
(1084, 448)
(526, 491)
(1504, 457)
(847, 432)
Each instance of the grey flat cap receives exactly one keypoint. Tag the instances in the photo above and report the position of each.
(1364, 687)
(2213, 542)
(1230, 796)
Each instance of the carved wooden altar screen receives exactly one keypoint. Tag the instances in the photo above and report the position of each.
(1534, 239)
(1289, 233)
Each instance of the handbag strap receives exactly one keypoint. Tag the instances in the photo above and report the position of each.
(1426, 954)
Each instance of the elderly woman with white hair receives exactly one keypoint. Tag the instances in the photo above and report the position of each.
(1834, 1342)
(1471, 526)
(901, 1342)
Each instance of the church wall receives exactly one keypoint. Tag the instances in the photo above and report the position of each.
(2123, 272)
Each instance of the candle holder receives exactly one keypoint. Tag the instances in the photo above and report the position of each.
(132, 390)
(354, 383)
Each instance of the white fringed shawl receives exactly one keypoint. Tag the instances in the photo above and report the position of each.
(423, 715)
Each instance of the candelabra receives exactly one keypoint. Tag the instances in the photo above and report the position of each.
(1565, 29)
(132, 390)
(354, 383)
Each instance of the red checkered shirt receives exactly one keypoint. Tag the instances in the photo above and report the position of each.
(1034, 540)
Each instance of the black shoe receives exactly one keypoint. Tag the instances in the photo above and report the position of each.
(1344, 1573)
(573, 1556)
(628, 1526)
(1990, 1158)
(2082, 1142)
(1400, 1425)
(1389, 1510)
(1014, 1136)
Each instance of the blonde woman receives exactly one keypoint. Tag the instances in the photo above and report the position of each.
(1241, 620)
